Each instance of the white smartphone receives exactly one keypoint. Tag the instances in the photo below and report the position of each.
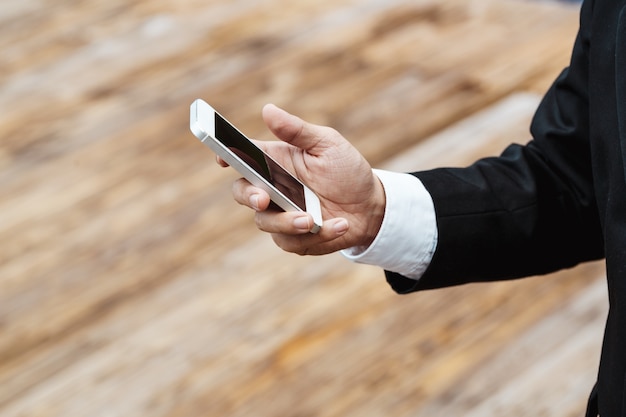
(249, 160)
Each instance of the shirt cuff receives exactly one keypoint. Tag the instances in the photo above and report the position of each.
(407, 237)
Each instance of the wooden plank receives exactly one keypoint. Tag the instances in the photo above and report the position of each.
(130, 284)
(321, 322)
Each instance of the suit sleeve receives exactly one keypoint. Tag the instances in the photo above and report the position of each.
(529, 211)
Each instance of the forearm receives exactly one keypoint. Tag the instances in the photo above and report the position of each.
(505, 218)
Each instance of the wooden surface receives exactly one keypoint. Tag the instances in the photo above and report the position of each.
(132, 285)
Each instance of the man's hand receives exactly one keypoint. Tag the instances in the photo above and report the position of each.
(352, 197)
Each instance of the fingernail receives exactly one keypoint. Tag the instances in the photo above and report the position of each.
(302, 223)
(254, 201)
(341, 226)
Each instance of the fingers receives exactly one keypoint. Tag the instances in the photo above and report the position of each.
(284, 222)
(291, 129)
(329, 239)
(248, 195)
(220, 161)
(291, 232)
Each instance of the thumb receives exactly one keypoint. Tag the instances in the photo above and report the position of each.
(291, 129)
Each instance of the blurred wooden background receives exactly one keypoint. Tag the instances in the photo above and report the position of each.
(132, 285)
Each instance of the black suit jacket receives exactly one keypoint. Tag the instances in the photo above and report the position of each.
(555, 202)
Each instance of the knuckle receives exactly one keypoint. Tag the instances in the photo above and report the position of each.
(259, 222)
(280, 242)
(289, 245)
(333, 134)
(331, 131)
(237, 190)
(302, 251)
(300, 246)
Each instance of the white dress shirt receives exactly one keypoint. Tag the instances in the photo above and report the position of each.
(407, 238)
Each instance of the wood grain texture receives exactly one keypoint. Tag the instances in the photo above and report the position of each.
(130, 282)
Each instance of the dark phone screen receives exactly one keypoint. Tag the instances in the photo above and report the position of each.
(259, 161)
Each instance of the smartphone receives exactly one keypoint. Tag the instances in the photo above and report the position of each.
(285, 190)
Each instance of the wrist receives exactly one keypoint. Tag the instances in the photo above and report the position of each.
(407, 238)
(375, 212)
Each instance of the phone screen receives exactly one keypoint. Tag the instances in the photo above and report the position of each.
(276, 175)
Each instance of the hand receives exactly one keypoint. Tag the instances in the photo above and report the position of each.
(352, 197)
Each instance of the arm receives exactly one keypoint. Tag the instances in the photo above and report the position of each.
(530, 211)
